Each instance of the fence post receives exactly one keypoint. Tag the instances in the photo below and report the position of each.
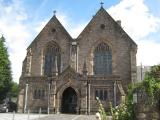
(28, 114)
(40, 112)
(13, 115)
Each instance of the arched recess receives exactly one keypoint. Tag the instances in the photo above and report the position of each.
(100, 58)
(60, 93)
(52, 58)
(69, 101)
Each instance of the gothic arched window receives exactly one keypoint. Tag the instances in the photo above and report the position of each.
(102, 60)
(52, 59)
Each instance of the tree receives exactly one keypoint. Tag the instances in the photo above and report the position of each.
(155, 83)
(5, 71)
(151, 85)
(14, 90)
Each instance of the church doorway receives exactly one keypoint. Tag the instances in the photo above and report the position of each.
(69, 101)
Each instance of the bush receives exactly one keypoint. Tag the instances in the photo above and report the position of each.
(12, 106)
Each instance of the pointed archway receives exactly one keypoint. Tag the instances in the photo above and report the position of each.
(69, 101)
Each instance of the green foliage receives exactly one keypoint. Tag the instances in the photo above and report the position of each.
(125, 111)
(152, 83)
(12, 106)
(154, 72)
(5, 71)
(101, 110)
(14, 90)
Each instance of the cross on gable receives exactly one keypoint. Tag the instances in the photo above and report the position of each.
(101, 4)
(54, 12)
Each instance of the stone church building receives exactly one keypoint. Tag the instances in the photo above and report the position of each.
(65, 75)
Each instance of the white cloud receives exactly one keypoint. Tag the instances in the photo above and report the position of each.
(148, 52)
(16, 33)
(74, 30)
(40, 26)
(136, 18)
(139, 23)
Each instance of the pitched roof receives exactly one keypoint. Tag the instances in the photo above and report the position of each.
(101, 14)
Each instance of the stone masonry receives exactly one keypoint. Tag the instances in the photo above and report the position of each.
(74, 78)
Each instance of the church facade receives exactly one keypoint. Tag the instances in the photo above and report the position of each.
(65, 75)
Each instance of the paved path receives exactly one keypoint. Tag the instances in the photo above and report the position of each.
(9, 116)
(68, 117)
(17, 116)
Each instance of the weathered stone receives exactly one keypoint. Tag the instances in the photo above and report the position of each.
(74, 52)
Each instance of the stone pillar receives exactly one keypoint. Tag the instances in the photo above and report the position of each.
(85, 72)
(54, 96)
(83, 99)
(115, 93)
(49, 90)
(26, 99)
(42, 63)
(28, 63)
(74, 56)
(21, 101)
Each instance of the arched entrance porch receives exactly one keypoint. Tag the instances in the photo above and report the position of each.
(69, 101)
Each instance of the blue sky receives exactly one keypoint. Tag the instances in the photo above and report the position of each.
(22, 20)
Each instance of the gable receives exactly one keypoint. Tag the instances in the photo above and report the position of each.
(53, 30)
(102, 22)
(69, 72)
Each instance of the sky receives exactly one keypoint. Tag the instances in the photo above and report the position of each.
(22, 20)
